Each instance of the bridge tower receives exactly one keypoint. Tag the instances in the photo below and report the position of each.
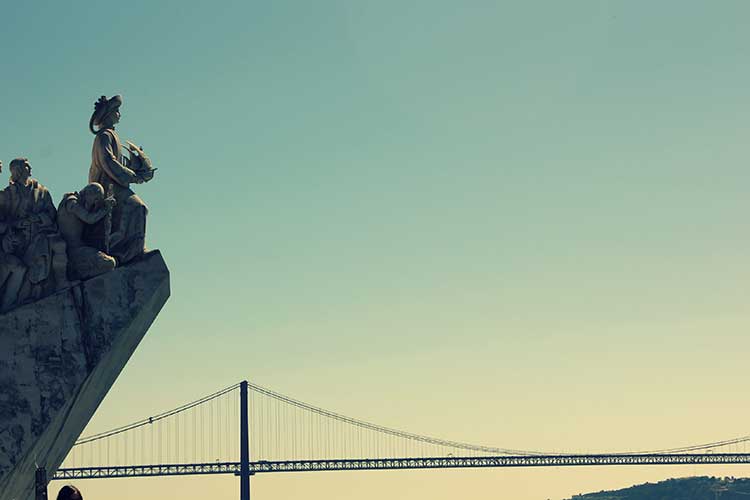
(244, 444)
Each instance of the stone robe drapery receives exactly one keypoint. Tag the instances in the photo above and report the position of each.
(30, 216)
(19, 202)
(84, 261)
(30, 240)
(109, 168)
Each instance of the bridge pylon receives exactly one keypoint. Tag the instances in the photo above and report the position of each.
(244, 444)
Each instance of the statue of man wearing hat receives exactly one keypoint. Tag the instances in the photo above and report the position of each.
(125, 233)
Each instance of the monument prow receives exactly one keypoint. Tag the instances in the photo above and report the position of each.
(58, 358)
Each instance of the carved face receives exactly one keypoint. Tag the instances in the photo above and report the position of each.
(110, 119)
(114, 117)
(92, 197)
(20, 170)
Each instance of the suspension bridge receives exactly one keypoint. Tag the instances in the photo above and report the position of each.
(247, 429)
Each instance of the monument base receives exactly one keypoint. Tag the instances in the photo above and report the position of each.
(58, 358)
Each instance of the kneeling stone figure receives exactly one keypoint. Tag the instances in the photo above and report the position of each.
(76, 212)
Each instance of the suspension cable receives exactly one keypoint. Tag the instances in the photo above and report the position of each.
(155, 418)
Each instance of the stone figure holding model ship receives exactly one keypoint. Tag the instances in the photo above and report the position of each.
(123, 233)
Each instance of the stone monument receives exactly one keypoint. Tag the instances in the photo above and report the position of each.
(78, 291)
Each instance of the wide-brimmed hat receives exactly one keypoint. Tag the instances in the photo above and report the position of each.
(102, 108)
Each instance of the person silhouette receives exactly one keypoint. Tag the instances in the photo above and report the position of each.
(69, 492)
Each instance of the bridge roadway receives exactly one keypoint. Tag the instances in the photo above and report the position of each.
(402, 463)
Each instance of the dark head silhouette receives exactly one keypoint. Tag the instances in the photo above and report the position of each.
(69, 493)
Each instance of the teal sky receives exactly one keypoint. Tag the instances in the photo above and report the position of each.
(523, 225)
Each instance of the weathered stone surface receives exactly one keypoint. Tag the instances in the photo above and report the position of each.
(58, 358)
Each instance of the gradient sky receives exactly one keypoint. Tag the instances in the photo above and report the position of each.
(517, 224)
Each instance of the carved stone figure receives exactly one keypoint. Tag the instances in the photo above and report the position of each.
(12, 269)
(29, 218)
(12, 272)
(76, 212)
(113, 171)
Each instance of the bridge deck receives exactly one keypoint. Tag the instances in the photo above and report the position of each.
(402, 463)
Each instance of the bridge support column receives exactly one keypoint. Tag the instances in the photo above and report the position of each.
(244, 444)
(40, 484)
